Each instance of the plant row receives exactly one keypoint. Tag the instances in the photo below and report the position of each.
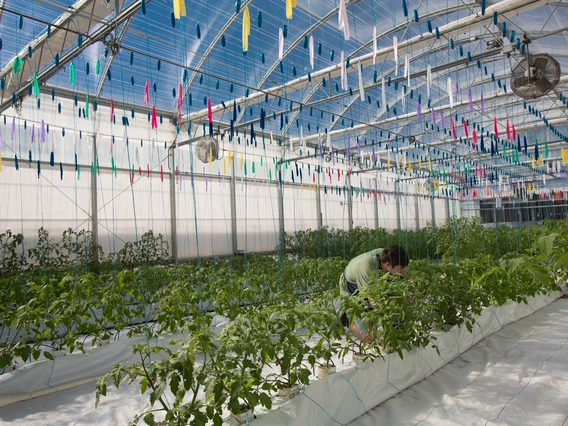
(61, 309)
(456, 239)
(272, 347)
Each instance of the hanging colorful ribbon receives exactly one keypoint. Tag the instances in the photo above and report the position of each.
(154, 118)
(147, 93)
(179, 8)
(342, 21)
(246, 29)
(290, 4)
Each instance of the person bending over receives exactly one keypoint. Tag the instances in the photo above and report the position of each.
(392, 259)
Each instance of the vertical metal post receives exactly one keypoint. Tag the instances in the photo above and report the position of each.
(349, 202)
(94, 202)
(281, 245)
(376, 204)
(417, 213)
(233, 202)
(397, 198)
(433, 208)
(447, 208)
(173, 215)
(318, 200)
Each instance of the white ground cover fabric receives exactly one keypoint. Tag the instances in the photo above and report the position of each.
(517, 376)
(504, 365)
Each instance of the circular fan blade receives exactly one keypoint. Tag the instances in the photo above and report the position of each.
(540, 63)
(543, 84)
(521, 81)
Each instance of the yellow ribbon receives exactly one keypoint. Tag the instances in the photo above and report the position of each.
(229, 156)
(246, 29)
(533, 164)
(289, 5)
(242, 162)
(179, 8)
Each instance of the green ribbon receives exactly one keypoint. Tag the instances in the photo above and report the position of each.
(72, 74)
(17, 65)
(36, 85)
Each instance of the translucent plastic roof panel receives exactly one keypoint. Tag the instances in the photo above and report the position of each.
(203, 52)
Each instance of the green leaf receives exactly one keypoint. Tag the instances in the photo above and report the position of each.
(143, 385)
(149, 419)
(265, 400)
(48, 355)
(539, 273)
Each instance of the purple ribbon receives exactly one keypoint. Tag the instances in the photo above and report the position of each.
(348, 148)
(418, 110)
(42, 131)
(442, 119)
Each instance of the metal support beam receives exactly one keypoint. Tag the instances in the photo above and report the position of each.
(123, 31)
(281, 246)
(173, 215)
(94, 203)
(349, 202)
(397, 198)
(233, 201)
(318, 201)
(417, 213)
(62, 43)
(433, 208)
(376, 206)
(447, 208)
(423, 41)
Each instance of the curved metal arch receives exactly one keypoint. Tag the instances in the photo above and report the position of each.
(296, 42)
(354, 53)
(120, 37)
(210, 48)
(338, 96)
(297, 111)
(376, 123)
(417, 43)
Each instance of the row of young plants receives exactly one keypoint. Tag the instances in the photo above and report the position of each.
(61, 310)
(271, 347)
(457, 238)
(76, 250)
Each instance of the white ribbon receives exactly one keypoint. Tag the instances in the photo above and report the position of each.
(342, 21)
(384, 94)
(450, 93)
(374, 45)
(280, 44)
(395, 48)
(312, 51)
(428, 79)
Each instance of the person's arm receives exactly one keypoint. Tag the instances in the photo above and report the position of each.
(366, 337)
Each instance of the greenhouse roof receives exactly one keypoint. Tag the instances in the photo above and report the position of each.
(110, 49)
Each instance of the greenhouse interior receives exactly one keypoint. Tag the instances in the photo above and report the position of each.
(283, 212)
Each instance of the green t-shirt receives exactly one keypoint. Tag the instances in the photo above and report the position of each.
(359, 270)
